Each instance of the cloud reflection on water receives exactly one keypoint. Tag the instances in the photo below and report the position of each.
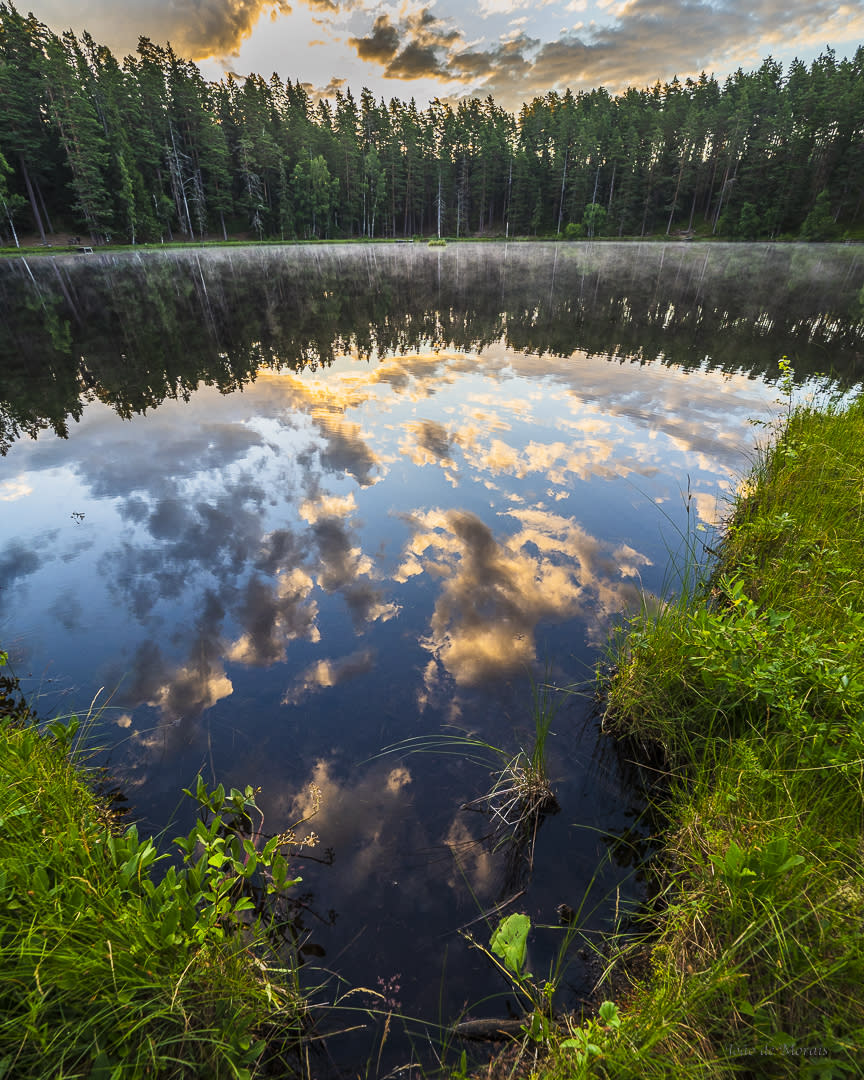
(253, 500)
(495, 592)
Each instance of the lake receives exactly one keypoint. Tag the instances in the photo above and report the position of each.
(276, 511)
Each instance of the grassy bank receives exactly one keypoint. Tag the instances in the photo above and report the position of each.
(748, 697)
(109, 969)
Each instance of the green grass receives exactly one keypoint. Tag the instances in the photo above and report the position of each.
(106, 968)
(748, 695)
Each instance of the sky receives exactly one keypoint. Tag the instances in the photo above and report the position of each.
(511, 49)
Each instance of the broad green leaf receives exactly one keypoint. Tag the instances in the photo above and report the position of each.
(509, 941)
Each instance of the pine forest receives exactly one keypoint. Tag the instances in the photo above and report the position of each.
(145, 150)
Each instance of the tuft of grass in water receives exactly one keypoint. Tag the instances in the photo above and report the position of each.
(107, 969)
(750, 959)
(521, 793)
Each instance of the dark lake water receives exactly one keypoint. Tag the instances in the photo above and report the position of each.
(279, 509)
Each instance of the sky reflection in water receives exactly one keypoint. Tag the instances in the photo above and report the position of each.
(274, 584)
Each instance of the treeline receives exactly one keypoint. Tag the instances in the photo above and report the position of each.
(148, 150)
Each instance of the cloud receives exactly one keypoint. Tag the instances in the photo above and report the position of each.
(190, 690)
(68, 610)
(364, 818)
(181, 691)
(340, 566)
(427, 442)
(327, 92)
(634, 43)
(271, 617)
(325, 506)
(341, 562)
(495, 592)
(381, 45)
(413, 48)
(10, 490)
(326, 673)
(17, 561)
(196, 28)
(346, 450)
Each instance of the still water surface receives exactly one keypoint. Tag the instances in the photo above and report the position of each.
(281, 509)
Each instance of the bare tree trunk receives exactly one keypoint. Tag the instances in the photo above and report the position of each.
(32, 196)
(41, 198)
(11, 223)
(561, 199)
(677, 189)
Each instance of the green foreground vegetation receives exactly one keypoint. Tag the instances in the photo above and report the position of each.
(110, 970)
(748, 695)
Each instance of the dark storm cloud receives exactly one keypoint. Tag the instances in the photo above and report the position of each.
(195, 27)
(381, 45)
(413, 48)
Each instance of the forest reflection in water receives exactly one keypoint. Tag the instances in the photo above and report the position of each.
(293, 506)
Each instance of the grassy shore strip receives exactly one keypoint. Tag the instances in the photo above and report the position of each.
(750, 694)
(855, 236)
(103, 972)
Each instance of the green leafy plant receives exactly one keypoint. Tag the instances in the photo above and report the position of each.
(759, 869)
(111, 964)
(510, 942)
(587, 1042)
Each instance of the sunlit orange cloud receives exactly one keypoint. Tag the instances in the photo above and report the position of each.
(474, 867)
(191, 689)
(327, 673)
(703, 412)
(629, 43)
(324, 506)
(10, 490)
(652, 399)
(196, 29)
(494, 593)
(427, 442)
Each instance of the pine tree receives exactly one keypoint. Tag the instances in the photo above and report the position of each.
(26, 138)
(81, 134)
